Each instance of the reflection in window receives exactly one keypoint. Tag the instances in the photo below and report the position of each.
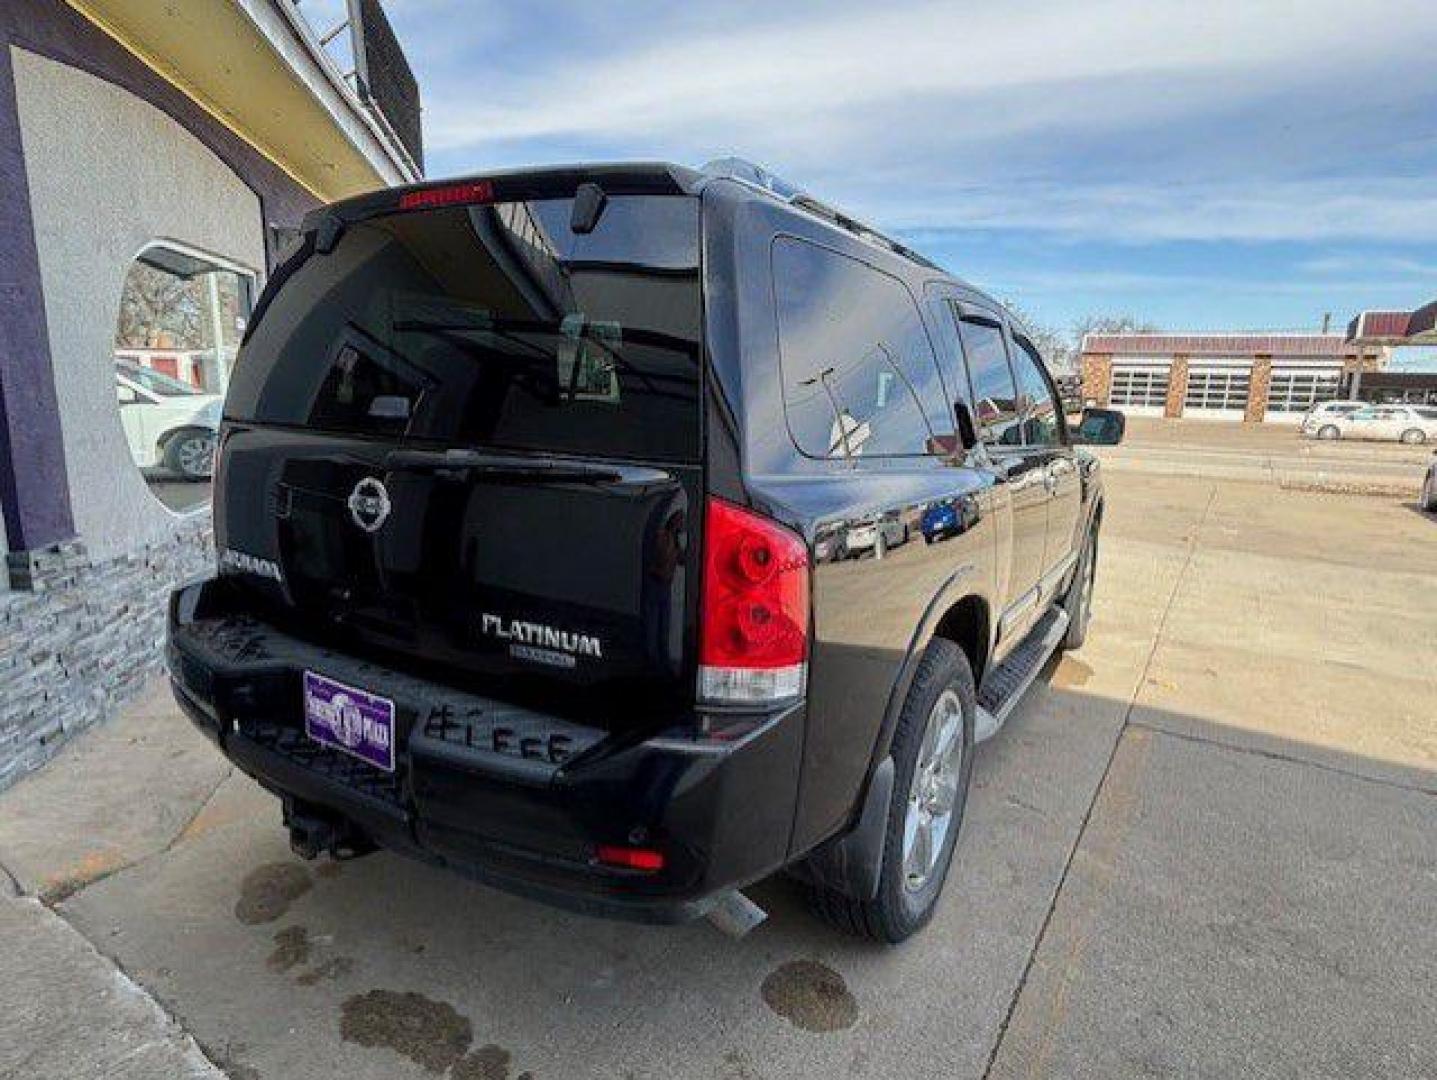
(859, 374)
(1035, 401)
(995, 398)
(493, 326)
(180, 323)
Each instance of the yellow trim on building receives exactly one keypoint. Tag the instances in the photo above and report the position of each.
(214, 54)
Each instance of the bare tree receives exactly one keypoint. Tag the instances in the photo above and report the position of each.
(1109, 324)
(1057, 351)
(159, 308)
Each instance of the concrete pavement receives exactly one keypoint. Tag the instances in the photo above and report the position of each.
(69, 1012)
(1204, 846)
(1267, 453)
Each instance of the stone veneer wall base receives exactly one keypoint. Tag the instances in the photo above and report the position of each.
(80, 637)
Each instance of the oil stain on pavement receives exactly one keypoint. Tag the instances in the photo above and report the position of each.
(487, 1063)
(267, 892)
(291, 948)
(430, 1033)
(811, 996)
(334, 968)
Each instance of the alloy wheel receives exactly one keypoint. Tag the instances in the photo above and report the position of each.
(196, 456)
(933, 792)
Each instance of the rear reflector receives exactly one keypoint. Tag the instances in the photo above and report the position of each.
(477, 191)
(753, 622)
(629, 858)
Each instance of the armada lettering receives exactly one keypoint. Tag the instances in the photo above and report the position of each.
(230, 559)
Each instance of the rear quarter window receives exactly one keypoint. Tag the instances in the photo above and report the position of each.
(859, 375)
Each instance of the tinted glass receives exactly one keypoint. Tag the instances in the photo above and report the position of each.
(995, 399)
(859, 376)
(492, 326)
(1036, 405)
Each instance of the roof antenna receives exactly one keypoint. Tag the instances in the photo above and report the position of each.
(589, 203)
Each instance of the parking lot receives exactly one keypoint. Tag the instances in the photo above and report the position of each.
(1203, 846)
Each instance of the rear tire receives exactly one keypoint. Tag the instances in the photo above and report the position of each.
(1414, 436)
(1078, 602)
(910, 879)
(1329, 432)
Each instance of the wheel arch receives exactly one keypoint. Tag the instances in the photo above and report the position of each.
(968, 624)
(849, 862)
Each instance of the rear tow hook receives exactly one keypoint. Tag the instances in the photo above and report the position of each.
(311, 836)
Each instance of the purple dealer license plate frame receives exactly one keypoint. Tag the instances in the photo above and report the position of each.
(347, 718)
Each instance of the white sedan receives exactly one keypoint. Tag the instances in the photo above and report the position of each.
(879, 535)
(167, 422)
(1412, 424)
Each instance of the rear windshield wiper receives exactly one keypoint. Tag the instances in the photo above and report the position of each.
(505, 468)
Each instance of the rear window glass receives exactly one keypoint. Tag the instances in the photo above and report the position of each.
(492, 326)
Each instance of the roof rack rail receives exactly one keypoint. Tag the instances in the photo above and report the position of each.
(759, 178)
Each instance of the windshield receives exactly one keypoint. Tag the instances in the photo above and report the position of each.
(156, 382)
(492, 326)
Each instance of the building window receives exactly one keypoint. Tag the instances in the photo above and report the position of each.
(1295, 390)
(1139, 387)
(1218, 389)
(181, 318)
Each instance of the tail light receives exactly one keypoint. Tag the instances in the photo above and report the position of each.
(630, 858)
(753, 630)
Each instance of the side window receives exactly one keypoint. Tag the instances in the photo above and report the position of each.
(995, 398)
(859, 375)
(1038, 409)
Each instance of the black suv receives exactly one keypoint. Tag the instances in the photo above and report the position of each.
(531, 506)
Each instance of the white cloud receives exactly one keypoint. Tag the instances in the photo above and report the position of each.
(814, 70)
(1395, 210)
(1062, 116)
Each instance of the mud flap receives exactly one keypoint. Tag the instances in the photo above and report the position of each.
(850, 864)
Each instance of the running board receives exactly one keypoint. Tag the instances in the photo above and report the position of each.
(1003, 687)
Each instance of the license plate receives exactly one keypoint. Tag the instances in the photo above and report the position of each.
(349, 719)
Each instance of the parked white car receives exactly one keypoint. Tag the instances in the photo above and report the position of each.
(1320, 414)
(168, 423)
(1410, 424)
(877, 536)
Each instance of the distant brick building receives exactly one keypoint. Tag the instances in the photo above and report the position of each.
(1251, 377)
(1396, 330)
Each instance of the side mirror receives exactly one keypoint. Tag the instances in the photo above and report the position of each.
(1101, 427)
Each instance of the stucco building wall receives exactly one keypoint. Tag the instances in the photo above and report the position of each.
(109, 175)
(99, 156)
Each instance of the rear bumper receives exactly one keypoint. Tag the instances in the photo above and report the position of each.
(497, 808)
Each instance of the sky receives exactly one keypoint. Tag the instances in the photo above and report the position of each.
(1210, 164)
